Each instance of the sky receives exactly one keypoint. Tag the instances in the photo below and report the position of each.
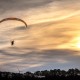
(51, 40)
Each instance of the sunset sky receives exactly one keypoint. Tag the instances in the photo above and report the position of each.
(51, 41)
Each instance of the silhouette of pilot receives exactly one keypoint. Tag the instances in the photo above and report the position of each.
(12, 42)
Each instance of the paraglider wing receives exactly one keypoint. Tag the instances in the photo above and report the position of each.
(5, 19)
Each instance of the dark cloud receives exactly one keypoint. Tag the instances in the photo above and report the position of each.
(54, 58)
(21, 4)
(7, 5)
(22, 52)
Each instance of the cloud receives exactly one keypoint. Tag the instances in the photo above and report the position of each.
(52, 24)
(20, 5)
(28, 59)
(46, 10)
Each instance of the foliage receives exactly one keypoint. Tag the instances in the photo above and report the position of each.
(56, 74)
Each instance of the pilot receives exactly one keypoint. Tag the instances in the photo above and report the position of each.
(12, 42)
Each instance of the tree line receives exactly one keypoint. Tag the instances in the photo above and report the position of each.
(56, 74)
